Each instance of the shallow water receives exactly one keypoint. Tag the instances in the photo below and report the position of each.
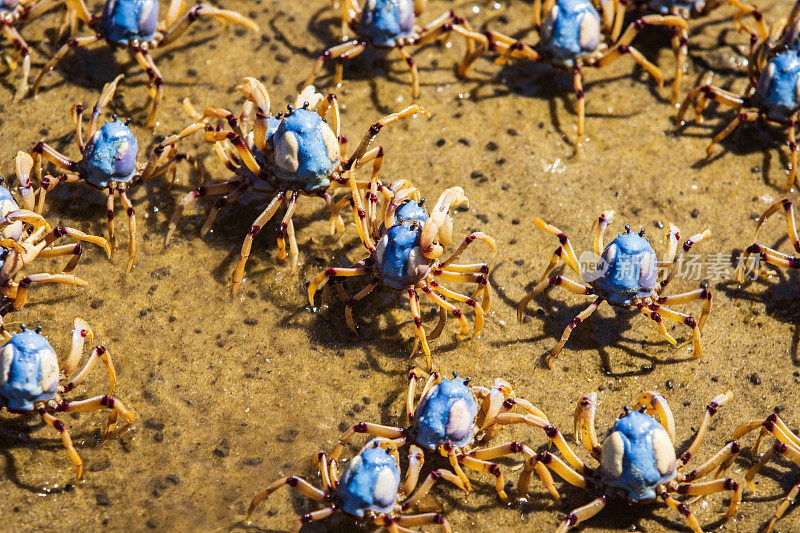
(233, 393)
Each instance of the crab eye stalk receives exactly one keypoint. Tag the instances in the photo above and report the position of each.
(38, 328)
(421, 201)
(627, 228)
(641, 232)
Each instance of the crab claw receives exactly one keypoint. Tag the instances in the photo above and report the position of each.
(399, 197)
(23, 164)
(254, 91)
(438, 229)
(309, 95)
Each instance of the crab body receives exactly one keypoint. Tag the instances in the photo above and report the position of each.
(28, 371)
(446, 414)
(110, 155)
(777, 90)
(571, 31)
(398, 256)
(384, 22)
(637, 456)
(124, 21)
(628, 269)
(306, 151)
(370, 482)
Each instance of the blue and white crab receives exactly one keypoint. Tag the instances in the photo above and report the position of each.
(626, 276)
(456, 420)
(286, 155)
(368, 490)
(638, 461)
(134, 25)
(772, 94)
(30, 382)
(389, 25)
(108, 162)
(404, 254)
(570, 38)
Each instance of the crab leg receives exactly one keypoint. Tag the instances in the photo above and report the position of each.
(52, 155)
(682, 318)
(110, 213)
(19, 293)
(375, 430)
(600, 225)
(340, 52)
(101, 353)
(655, 317)
(203, 10)
(441, 302)
(21, 46)
(80, 331)
(155, 85)
(570, 258)
(680, 46)
(348, 308)
(418, 330)
(48, 185)
(623, 44)
(287, 217)
(710, 411)
(73, 43)
(105, 97)
(412, 66)
(303, 487)
(75, 234)
(584, 424)
(677, 263)
(467, 277)
(583, 513)
(784, 505)
(131, 227)
(201, 191)
(531, 465)
(698, 294)
(558, 280)
(583, 315)
(722, 459)
(552, 433)
(414, 520)
(682, 508)
(426, 486)
(258, 223)
(712, 487)
(444, 291)
(748, 116)
(773, 424)
(791, 227)
(376, 127)
(415, 461)
(323, 276)
(59, 426)
(469, 239)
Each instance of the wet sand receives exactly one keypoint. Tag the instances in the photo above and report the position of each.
(232, 393)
